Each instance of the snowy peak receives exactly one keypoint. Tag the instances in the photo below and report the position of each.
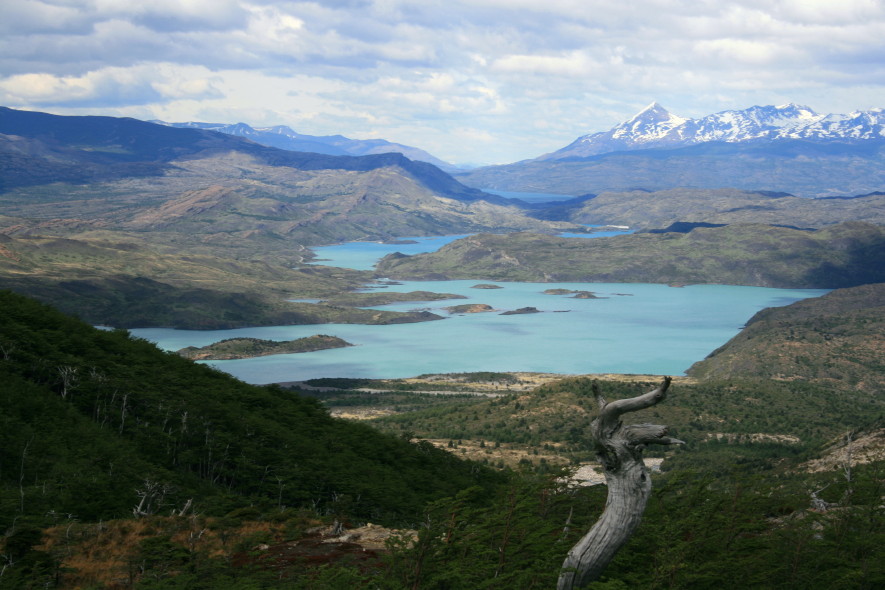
(655, 127)
(240, 129)
(653, 113)
(283, 130)
(652, 122)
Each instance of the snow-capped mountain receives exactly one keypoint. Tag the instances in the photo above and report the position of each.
(283, 137)
(655, 127)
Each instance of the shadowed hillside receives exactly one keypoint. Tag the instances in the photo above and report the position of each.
(119, 281)
(90, 416)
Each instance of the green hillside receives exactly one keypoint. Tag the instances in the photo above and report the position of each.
(837, 340)
(89, 416)
(103, 437)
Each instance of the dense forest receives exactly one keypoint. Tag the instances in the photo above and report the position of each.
(97, 425)
(122, 466)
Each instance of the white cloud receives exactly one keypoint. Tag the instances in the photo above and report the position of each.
(174, 15)
(109, 87)
(22, 17)
(531, 74)
(729, 51)
(830, 13)
(574, 63)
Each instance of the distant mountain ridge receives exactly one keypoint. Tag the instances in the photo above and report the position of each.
(788, 148)
(656, 127)
(284, 137)
(161, 198)
(38, 148)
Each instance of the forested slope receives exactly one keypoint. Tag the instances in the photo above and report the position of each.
(88, 417)
(96, 425)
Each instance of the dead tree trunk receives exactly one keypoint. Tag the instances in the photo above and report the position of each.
(619, 450)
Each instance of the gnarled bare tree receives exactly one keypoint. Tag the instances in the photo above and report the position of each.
(619, 450)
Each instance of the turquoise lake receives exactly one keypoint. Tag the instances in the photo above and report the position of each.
(630, 328)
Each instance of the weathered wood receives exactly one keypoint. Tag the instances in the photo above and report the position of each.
(619, 450)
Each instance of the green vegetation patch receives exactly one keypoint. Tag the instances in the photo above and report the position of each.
(90, 417)
(743, 414)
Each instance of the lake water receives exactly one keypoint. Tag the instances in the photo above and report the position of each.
(630, 328)
(364, 255)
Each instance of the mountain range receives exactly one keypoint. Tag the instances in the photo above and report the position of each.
(211, 228)
(656, 127)
(128, 223)
(283, 137)
(788, 148)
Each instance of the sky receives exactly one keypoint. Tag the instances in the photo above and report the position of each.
(470, 81)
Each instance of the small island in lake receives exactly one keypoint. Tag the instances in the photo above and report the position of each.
(576, 294)
(397, 242)
(469, 308)
(486, 286)
(522, 310)
(241, 348)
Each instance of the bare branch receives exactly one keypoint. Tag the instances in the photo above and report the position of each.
(619, 450)
(616, 408)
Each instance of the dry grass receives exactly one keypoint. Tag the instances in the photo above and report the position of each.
(861, 448)
(106, 554)
(503, 454)
(525, 381)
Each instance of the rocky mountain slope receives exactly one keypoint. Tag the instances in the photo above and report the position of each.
(135, 224)
(798, 167)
